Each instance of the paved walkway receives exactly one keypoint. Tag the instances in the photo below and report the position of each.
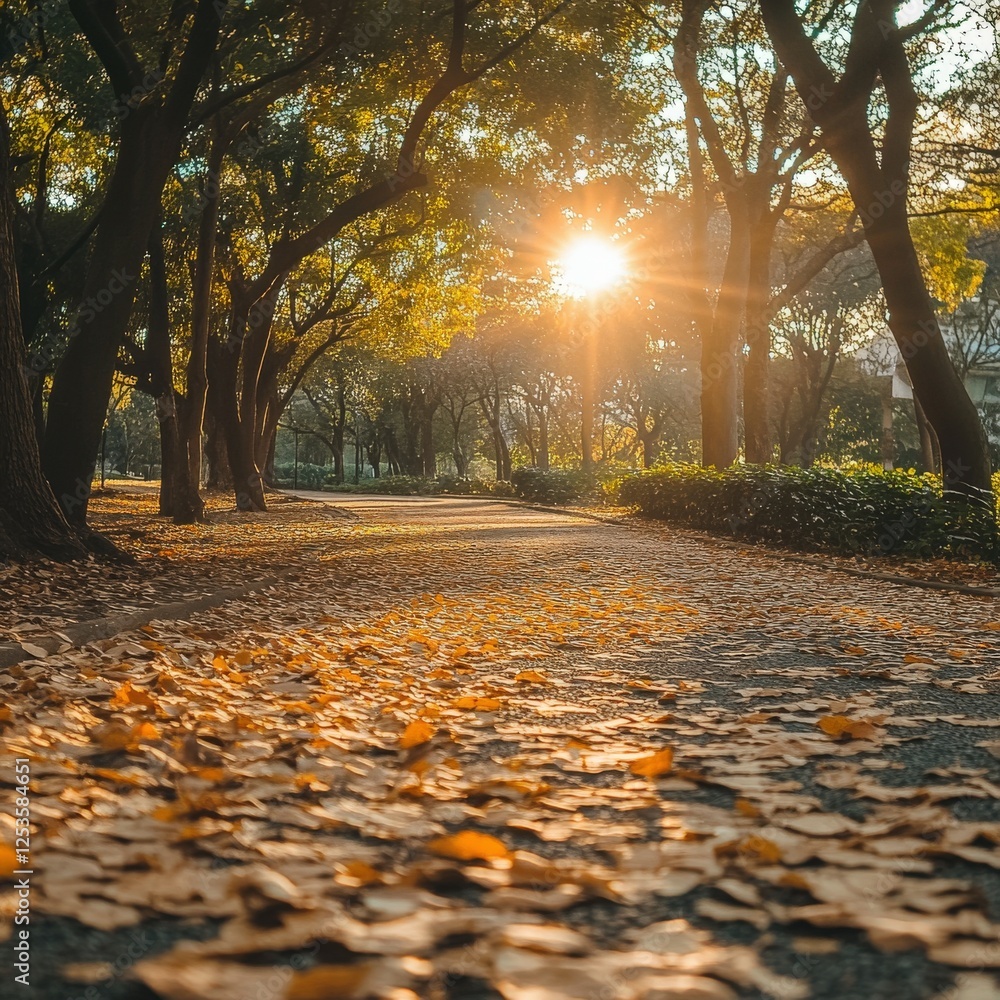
(471, 750)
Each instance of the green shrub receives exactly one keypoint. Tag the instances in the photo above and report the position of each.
(399, 486)
(556, 486)
(310, 477)
(474, 487)
(863, 512)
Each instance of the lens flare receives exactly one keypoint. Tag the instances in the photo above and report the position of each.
(588, 266)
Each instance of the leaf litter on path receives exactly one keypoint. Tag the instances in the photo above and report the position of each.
(368, 767)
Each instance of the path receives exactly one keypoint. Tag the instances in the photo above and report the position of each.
(473, 748)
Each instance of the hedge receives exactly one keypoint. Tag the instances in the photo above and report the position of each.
(553, 486)
(864, 512)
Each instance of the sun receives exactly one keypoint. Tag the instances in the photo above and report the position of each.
(589, 265)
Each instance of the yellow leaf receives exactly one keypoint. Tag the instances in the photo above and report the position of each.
(478, 704)
(841, 727)
(210, 773)
(419, 767)
(356, 873)
(168, 813)
(654, 765)
(531, 677)
(468, 845)
(118, 777)
(126, 695)
(8, 861)
(325, 981)
(761, 848)
(144, 731)
(416, 733)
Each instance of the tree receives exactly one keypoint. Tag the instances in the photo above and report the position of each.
(31, 521)
(156, 106)
(876, 168)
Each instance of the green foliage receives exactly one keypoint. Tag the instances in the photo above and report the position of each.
(464, 486)
(421, 486)
(864, 512)
(397, 486)
(556, 486)
(310, 477)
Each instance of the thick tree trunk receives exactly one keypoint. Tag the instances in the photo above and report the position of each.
(81, 385)
(220, 476)
(928, 440)
(31, 521)
(964, 450)
(150, 142)
(720, 432)
(170, 455)
(175, 488)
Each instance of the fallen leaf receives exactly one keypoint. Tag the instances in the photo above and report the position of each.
(468, 845)
(416, 733)
(654, 765)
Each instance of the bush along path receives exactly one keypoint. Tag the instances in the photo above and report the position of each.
(470, 752)
(854, 513)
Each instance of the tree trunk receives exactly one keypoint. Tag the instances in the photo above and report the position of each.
(888, 441)
(149, 144)
(928, 442)
(648, 451)
(193, 510)
(428, 458)
(31, 521)
(81, 385)
(543, 438)
(719, 345)
(220, 476)
(964, 449)
(757, 443)
(175, 490)
(878, 176)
